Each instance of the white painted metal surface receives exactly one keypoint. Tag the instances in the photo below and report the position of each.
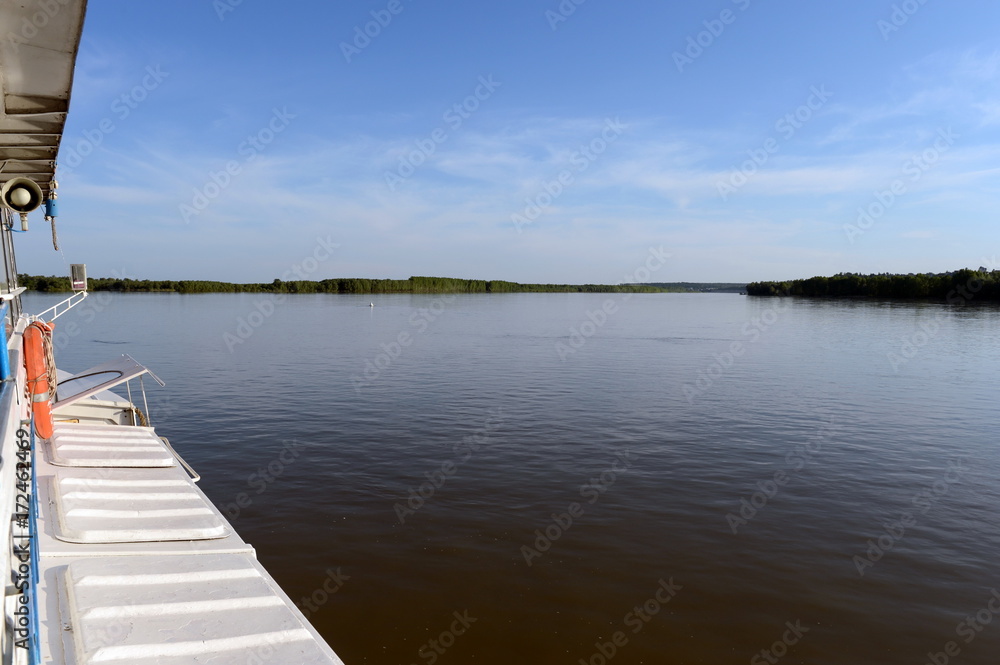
(107, 446)
(131, 505)
(137, 566)
(167, 610)
(105, 395)
(98, 380)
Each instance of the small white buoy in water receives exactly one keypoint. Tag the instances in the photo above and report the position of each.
(371, 304)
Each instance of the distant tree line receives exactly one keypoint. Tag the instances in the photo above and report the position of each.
(355, 285)
(981, 285)
(701, 287)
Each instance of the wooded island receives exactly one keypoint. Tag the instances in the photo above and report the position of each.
(965, 285)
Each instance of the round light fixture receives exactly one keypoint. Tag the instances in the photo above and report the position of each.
(20, 197)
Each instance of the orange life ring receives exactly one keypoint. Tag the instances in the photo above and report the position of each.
(35, 338)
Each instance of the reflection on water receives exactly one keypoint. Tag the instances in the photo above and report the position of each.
(704, 478)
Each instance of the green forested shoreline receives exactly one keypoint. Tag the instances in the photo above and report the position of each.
(355, 285)
(960, 285)
(982, 285)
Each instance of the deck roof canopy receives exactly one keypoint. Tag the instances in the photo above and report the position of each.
(38, 47)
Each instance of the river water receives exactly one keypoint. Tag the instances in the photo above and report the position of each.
(557, 478)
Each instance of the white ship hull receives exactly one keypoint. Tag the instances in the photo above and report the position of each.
(115, 555)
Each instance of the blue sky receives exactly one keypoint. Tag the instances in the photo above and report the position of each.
(534, 141)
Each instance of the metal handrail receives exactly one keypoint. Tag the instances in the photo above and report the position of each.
(194, 474)
(69, 302)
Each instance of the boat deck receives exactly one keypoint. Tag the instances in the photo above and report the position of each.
(137, 566)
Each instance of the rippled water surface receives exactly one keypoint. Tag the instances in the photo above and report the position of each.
(584, 461)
